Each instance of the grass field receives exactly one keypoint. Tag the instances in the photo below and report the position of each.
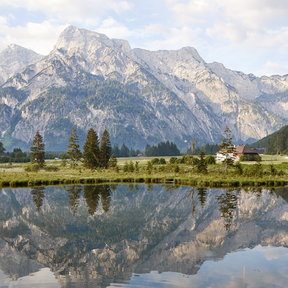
(15, 176)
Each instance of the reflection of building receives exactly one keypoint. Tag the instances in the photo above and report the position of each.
(240, 150)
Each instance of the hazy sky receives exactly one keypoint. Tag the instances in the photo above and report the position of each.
(247, 35)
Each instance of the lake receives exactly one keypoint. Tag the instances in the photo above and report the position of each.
(143, 236)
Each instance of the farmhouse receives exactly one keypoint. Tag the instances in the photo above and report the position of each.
(240, 150)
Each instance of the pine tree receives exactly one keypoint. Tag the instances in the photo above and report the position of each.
(2, 149)
(37, 150)
(91, 151)
(74, 152)
(202, 164)
(113, 161)
(227, 148)
(38, 194)
(105, 149)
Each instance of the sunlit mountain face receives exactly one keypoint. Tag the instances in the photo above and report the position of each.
(143, 236)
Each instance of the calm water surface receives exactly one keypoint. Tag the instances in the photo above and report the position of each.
(143, 236)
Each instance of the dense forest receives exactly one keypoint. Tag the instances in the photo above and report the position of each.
(278, 143)
(162, 149)
(209, 149)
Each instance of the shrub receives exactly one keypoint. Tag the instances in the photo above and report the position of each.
(173, 160)
(162, 161)
(137, 166)
(238, 168)
(176, 169)
(131, 166)
(51, 168)
(126, 167)
(35, 167)
(155, 161)
(253, 170)
(246, 158)
(273, 170)
(210, 159)
(258, 158)
(149, 167)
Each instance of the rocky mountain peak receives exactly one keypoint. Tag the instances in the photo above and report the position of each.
(14, 58)
(76, 38)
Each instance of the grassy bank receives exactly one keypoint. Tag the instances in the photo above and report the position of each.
(15, 176)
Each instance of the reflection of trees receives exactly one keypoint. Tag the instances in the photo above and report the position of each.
(202, 194)
(74, 193)
(92, 195)
(191, 196)
(38, 194)
(227, 204)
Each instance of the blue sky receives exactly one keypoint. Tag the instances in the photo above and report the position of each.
(247, 35)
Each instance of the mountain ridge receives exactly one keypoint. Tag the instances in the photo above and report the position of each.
(181, 95)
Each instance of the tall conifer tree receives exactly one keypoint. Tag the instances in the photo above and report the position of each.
(74, 152)
(105, 149)
(91, 151)
(37, 150)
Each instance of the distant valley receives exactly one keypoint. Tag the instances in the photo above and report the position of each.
(139, 96)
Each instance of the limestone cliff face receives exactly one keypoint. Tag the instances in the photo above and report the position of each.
(88, 80)
(13, 59)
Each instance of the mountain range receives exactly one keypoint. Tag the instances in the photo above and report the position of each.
(139, 96)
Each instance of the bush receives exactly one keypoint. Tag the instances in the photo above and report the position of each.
(238, 168)
(210, 159)
(246, 158)
(176, 169)
(35, 167)
(258, 158)
(162, 161)
(173, 160)
(131, 166)
(253, 170)
(155, 161)
(126, 167)
(51, 168)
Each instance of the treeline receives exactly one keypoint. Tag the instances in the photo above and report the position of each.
(17, 156)
(124, 151)
(209, 149)
(278, 144)
(162, 149)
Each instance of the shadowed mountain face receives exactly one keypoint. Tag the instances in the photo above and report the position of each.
(97, 235)
(139, 96)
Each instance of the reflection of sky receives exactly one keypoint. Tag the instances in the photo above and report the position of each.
(264, 267)
(41, 279)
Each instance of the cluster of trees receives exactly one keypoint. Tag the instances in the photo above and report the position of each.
(162, 149)
(16, 156)
(94, 156)
(209, 149)
(124, 151)
(278, 144)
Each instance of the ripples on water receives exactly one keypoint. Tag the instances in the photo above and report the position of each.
(143, 236)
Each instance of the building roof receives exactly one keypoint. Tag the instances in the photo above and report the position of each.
(245, 150)
(241, 149)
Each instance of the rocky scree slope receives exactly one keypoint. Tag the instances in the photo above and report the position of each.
(140, 96)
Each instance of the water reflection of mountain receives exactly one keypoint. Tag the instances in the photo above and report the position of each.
(102, 234)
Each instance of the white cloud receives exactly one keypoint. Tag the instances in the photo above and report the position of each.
(228, 31)
(40, 37)
(275, 68)
(114, 29)
(171, 38)
(71, 10)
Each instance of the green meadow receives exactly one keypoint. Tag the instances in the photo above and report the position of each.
(15, 176)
